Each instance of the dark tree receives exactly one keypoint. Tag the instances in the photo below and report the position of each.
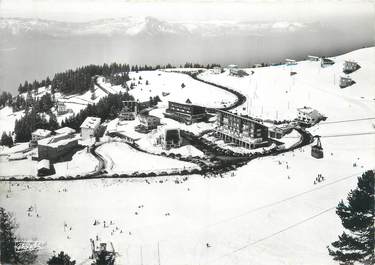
(357, 242)
(61, 259)
(6, 139)
(8, 242)
(183, 85)
(5, 99)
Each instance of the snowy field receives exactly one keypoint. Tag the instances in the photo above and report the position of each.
(268, 212)
(8, 119)
(278, 220)
(198, 92)
(121, 158)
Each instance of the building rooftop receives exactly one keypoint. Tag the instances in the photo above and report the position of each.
(306, 110)
(145, 115)
(58, 140)
(91, 123)
(65, 130)
(43, 164)
(245, 117)
(42, 132)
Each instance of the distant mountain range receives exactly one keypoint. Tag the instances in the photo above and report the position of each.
(144, 26)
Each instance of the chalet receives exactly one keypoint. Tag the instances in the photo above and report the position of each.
(129, 110)
(350, 66)
(346, 81)
(290, 62)
(309, 115)
(61, 108)
(278, 132)
(56, 146)
(244, 131)
(233, 69)
(313, 58)
(89, 127)
(171, 138)
(40, 134)
(326, 62)
(217, 70)
(185, 112)
(148, 121)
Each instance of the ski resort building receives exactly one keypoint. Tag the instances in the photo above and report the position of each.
(216, 70)
(309, 115)
(129, 110)
(350, 66)
(346, 81)
(278, 132)
(54, 147)
(326, 62)
(233, 69)
(148, 121)
(313, 58)
(170, 138)
(185, 112)
(241, 130)
(61, 108)
(290, 62)
(40, 134)
(89, 127)
(65, 130)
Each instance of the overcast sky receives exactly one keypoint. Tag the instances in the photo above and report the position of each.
(84, 10)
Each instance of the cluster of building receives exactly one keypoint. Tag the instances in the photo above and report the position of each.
(349, 67)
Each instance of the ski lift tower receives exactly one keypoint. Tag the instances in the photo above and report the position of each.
(317, 149)
(101, 255)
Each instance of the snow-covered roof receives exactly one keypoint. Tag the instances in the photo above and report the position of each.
(42, 132)
(308, 110)
(232, 66)
(91, 123)
(65, 130)
(43, 164)
(145, 117)
(312, 56)
(58, 140)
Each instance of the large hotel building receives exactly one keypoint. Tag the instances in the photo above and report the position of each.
(241, 130)
(187, 113)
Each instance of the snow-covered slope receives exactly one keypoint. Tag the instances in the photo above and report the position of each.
(273, 93)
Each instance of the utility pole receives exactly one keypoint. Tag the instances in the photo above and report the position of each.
(141, 256)
(158, 254)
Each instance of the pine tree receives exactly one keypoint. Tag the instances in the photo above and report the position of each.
(8, 240)
(357, 242)
(61, 259)
(6, 139)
